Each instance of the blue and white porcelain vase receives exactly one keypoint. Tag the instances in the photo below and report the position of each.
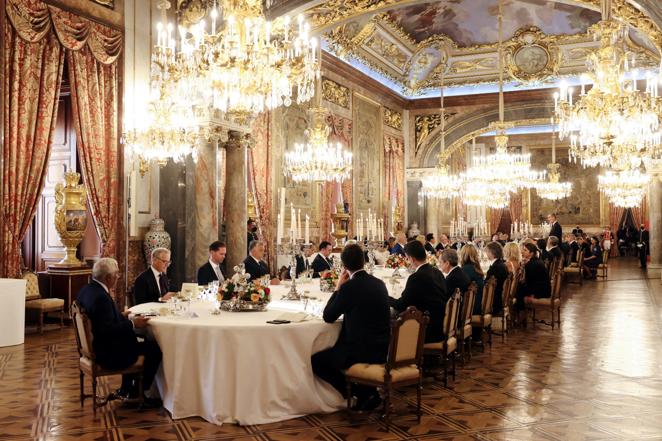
(156, 237)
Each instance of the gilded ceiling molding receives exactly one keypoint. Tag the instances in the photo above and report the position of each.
(335, 93)
(393, 118)
(533, 56)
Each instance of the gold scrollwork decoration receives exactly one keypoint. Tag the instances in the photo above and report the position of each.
(393, 118)
(107, 3)
(425, 125)
(335, 93)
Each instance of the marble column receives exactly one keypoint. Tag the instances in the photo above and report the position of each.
(655, 217)
(235, 199)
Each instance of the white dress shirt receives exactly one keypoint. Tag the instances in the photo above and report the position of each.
(217, 269)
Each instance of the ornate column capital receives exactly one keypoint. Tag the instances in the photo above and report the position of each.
(654, 168)
(236, 139)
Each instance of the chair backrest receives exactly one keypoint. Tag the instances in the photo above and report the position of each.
(556, 284)
(468, 301)
(452, 314)
(555, 265)
(507, 290)
(32, 285)
(407, 338)
(83, 331)
(488, 295)
(605, 256)
(580, 258)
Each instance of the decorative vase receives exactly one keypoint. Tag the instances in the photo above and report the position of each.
(70, 217)
(156, 237)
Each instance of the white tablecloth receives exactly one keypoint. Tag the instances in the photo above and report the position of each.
(236, 368)
(12, 312)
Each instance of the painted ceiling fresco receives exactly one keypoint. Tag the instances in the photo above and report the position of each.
(473, 22)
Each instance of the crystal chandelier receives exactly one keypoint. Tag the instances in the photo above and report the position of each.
(614, 123)
(318, 159)
(553, 189)
(624, 188)
(475, 194)
(240, 62)
(442, 185)
(501, 173)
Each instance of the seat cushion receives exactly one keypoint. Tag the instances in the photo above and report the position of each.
(571, 269)
(486, 320)
(91, 368)
(466, 333)
(545, 302)
(375, 372)
(45, 304)
(439, 345)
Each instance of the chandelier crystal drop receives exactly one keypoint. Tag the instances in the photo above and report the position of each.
(615, 121)
(624, 188)
(318, 159)
(239, 62)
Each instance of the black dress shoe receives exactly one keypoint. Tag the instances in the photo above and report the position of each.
(372, 403)
(151, 403)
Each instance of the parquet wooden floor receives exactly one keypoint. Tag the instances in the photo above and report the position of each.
(597, 378)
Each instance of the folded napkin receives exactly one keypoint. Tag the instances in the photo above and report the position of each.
(295, 317)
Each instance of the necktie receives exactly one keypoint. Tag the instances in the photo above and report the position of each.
(163, 284)
(219, 274)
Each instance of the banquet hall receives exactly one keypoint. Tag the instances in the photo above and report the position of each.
(330, 220)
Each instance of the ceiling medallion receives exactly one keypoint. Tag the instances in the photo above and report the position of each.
(532, 56)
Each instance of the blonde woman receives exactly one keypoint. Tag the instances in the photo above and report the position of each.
(512, 256)
(470, 264)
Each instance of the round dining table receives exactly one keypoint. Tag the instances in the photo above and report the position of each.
(234, 367)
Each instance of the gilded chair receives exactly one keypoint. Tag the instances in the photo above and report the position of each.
(403, 365)
(447, 348)
(553, 303)
(577, 269)
(483, 321)
(506, 300)
(464, 323)
(34, 302)
(87, 362)
(603, 268)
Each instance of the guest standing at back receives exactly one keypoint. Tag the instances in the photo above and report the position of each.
(555, 229)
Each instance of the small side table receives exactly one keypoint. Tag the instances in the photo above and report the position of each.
(65, 283)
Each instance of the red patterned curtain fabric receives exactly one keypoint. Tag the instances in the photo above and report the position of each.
(515, 208)
(341, 131)
(32, 77)
(615, 216)
(495, 219)
(394, 165)
(640, 213)
(95, 99)
(260, 178)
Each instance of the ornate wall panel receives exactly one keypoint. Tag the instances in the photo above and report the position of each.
(368, 159)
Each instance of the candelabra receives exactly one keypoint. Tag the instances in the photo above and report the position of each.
(293, 249)
(371, 245)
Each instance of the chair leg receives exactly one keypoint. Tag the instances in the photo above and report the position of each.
(558, 316)
(462, 350)
(419, 391)
(141, 391)
(503, 328)
(94, 396)
(349, 395)
(489, 335)
(445, 371)
(552, 316)
(82, 388)
(62, 318)
(40, 326)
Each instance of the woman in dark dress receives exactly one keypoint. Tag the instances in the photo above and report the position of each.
(592, 259)
(470, 264)
(536, 283)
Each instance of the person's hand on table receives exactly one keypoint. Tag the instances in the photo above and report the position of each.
(140, 321)
(275, 281)
(167, 296)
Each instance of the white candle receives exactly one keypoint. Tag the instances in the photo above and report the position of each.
(279, 234)
(299, 224)
(333, 230)
(307, 231)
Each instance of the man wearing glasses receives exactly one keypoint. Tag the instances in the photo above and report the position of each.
(153, 285)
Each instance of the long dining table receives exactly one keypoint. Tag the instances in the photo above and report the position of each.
(234, 367)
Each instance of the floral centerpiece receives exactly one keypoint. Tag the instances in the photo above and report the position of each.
(432, 260)
(328, 280)
(396, 261)
(239, 294)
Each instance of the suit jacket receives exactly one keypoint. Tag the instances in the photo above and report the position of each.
(536, 279)
(320, 264)
(457, 279)
(206, 274)
(398, 249)
(146, 288)
(302, 264)
(441, 247)
(553, 254)
(254, 269)
(114, 344)
(426, 290)
(556, 230)
(429, 248)
(363, 300)
(499, 271)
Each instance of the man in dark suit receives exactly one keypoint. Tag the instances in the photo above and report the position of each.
(443, 243)
(426, 290)
(552, 250)
(323, 261)
(212, 270)
(643, 245)
(114, 340)
(153, 285)
(555, 229)
(455, 277)
(429, 243)
(499, 271)
(363, 301)
(251, 235)
(254, 264)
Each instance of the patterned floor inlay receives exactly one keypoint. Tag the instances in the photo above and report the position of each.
(597, 378)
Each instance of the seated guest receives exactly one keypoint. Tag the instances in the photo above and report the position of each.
(495, 237)
(552, 250)
(323, 261)
(429, 243)
(504, 238)
(426, 290)
(584, 245)
(152, 285)
(592, 259)
(536, 283)
(399, 246)
(470, 265)
(302, 261)
(513, 257)
(390, 243)
(421, 239)
(455, 277)
(114, 340)
(212, 270)
(443, 244)
(499, 270)
(381, 255)
(363, 301)
(573, 246)
(577, 231)
(254, 264)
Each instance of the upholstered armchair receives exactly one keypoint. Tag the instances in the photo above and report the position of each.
(42, 306)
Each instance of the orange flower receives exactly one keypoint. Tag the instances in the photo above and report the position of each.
(255, 298)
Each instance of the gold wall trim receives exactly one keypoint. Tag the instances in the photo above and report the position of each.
(393, 118)
(335, 93)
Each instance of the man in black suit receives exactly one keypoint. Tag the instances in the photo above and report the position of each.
(254, 264)
(302, 261)
(455, 277)
(556, 229)
(643, 245)
(429, 243)
(212, 270)
(153, 285)
(552, 250)
(577, 231)
(251, 235)
(426, 290)
(114, 340)
(323, 261)
(443, 243)
(363, 301)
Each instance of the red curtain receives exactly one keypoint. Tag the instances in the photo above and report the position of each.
(32, 75)
(495, 219)
(394, 165)
(341, 131)
(615, 216)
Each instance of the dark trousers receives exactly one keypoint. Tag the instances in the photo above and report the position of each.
(329, 364)
(150, 349)
(642, 256)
